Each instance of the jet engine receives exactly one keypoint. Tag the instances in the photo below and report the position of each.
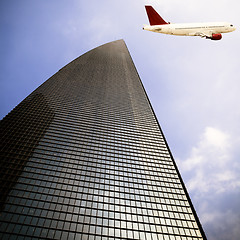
(217, 36)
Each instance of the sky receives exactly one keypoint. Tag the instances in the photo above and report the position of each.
(193, 84)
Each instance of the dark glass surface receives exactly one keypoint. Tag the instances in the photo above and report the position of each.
(83, 157)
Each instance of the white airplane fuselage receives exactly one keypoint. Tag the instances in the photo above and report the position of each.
(192, 29)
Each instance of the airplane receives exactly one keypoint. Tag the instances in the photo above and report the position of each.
(210, 30)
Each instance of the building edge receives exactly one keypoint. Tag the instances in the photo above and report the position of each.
(172, 158)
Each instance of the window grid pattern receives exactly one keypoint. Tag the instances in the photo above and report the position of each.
(99, 168)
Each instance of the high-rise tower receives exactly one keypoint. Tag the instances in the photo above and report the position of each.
(83, 157)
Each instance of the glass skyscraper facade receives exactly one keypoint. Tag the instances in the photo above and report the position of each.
(83, 157)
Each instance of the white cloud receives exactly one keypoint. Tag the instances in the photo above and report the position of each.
(210, 165)
(211, 174)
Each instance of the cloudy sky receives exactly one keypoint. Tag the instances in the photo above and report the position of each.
(193, 83)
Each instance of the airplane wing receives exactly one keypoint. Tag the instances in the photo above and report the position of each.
(209, 35)
(202, 35)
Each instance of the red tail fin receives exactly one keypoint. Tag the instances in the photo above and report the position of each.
(154, 17)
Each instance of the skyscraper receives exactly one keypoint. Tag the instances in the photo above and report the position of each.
(83, 157)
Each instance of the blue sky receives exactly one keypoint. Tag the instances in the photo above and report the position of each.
(193, 83)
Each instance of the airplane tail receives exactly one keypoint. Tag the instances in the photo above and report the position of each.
(154, 17)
